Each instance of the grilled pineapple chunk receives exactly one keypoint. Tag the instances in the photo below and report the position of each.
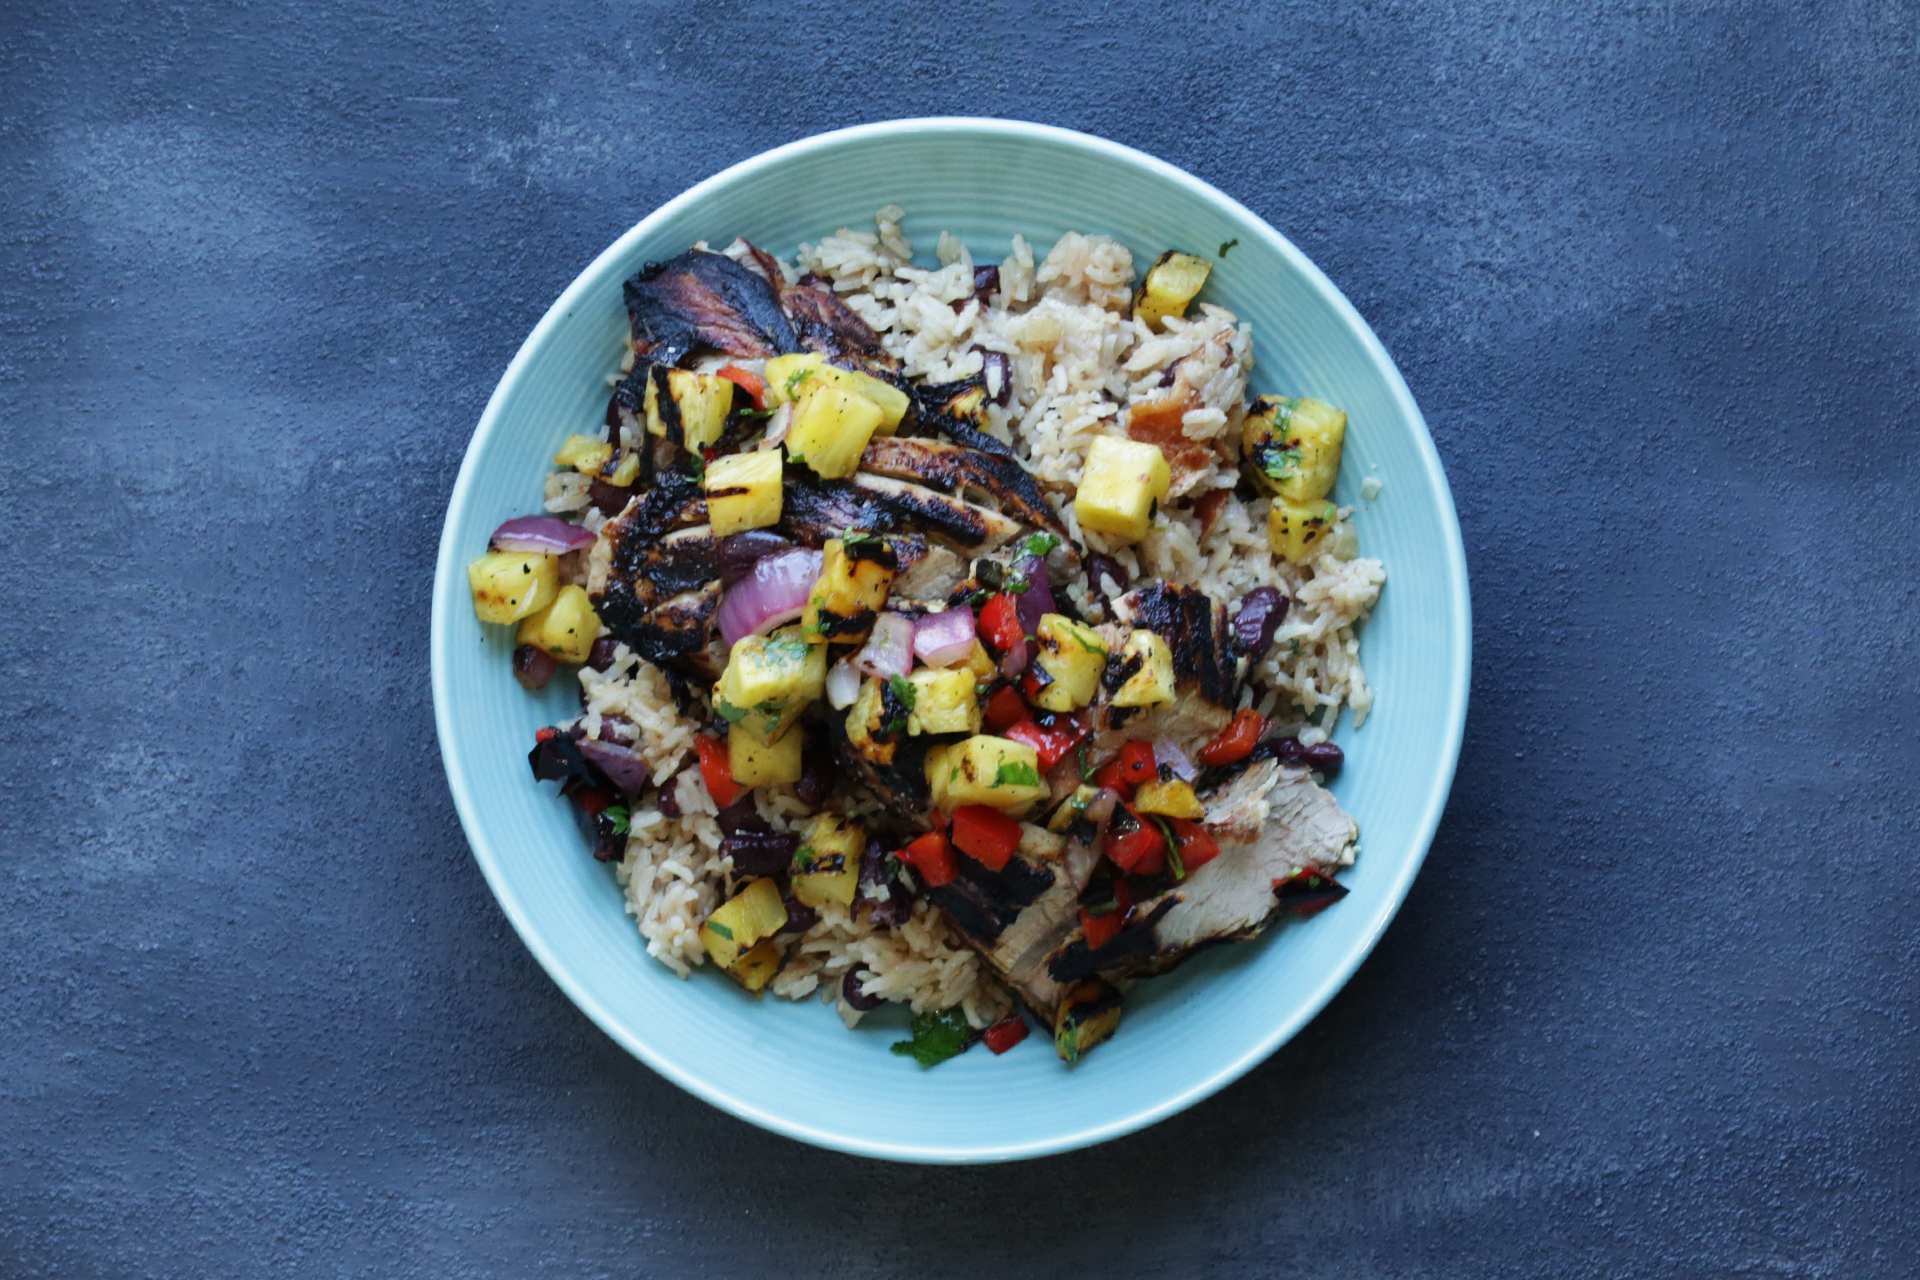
(855, 575)
(874, 722)
(986, 770)
(1170, 285)
(944, 701)
(756, 912)
(1073, 656)
(754, 763)
(788, 377)
(743, 491)
(826, 867)
(1151, 685)
(583, 453)
(756, 968)
(981, 663)
(831, 428)
(566, 628)
(696, 406)
(1173, 798)
(1119, 485)
(1291, 447)
(1294, 529)
(1072, 807)
(1088, 1015)
(769, 681)
(509, 585)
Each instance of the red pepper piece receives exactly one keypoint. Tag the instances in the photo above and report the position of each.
(1005, 1034)
(716, 772)
(999, 623)
(1135, 846)
(541, 735)
(1197, 848)
(1309, 892)
(986, 835)
(1052, 745)
(932, 857)
(592, 800)
(1137, 764)
(751, 383)
(1005, 709)
(1102, 929)
(1236, 741)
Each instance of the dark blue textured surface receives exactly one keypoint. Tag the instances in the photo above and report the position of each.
(1652, 274)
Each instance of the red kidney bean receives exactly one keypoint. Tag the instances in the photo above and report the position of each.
(1261, 613)
(850, 991)
(600, 657)
(533, 667)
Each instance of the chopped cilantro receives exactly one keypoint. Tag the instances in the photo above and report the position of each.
(803, 857)
(1226, 245)
(1174, 866)
(936, 1037)
(1016, 775)
(854, 537)
(1039, 544)
(719, 928)
(619, 817)
(796, 380)
(903, 689)
(727, 711)
(1086, 768)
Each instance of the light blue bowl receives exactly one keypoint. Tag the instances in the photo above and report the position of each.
(792, 1068)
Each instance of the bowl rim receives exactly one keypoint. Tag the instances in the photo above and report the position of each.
(449, 574)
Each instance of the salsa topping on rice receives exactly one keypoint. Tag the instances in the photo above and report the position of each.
(964, 637)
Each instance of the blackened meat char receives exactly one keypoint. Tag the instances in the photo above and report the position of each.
(829, 326)
(958, 469)
(703, 299)
(1195, 629)
(983, 903)
(813, 510)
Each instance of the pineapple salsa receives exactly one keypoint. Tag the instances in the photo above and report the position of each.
(894, 676)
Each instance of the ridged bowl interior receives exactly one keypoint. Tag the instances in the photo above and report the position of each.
(792, 1067)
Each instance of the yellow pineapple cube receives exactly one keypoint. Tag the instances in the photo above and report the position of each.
(788, 377)
(856, 572)
(743, 491)
(1294, 529)
(584, 454)
(826, 867)
(1072, 656)
(831, 428)
(566, 628)
(1170, 286)
(754, 763)
(754, 913)
(509, 585)
(769, 681)
(944, 701)
(756, 968)
(1291, 447)
(1119, 485)
(1152, 684)
(986, 770)
(696, 409)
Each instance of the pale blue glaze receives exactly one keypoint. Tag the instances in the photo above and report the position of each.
(793, 1068)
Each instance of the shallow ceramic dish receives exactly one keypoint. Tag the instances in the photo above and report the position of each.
(792, 1067)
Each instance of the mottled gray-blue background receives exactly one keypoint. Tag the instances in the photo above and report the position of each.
(1651, 270)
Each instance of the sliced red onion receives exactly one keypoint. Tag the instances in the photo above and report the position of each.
(774, 592)
(1167, 754)
(843, 684)
(1100, 808)
(1037, 599)
(889, 648)
(942, 639)
(777, 425)
(533, 667)
(550, 534)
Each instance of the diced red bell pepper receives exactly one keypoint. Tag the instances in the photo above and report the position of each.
(1036, 679)
(1101, 929)
(1236, 741)
(1134, 844)
(1004, 709)
(999, 623)
(593, 800)
(1052, 745)
(748, 381)
(1196, 847)
(1005, 1034)
(541, 735)
(986, 835)
(932, 857)
(716, 772)
(1133, 766)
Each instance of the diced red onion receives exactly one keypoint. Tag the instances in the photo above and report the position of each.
(1015, 661)
(843, 684)
(622, 765)
(549, 534)
(1100, 808)
(889, 648)
(942, 639)
(1167, 752)
(1037, 599)
(533, 667)
(772, 593)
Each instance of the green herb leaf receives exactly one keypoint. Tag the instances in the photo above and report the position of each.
(803, 857)
(903, 689)
(727, 711)
(1016, 775)
(1175, 867)
(720, 929)
(936, 1037)
(1039, 544)
(1226, 245)
(620, 817)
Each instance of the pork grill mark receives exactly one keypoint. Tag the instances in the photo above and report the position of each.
(983, 903)
(958, 468)
(703, 299)
(1196, 630)
(829, 326)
